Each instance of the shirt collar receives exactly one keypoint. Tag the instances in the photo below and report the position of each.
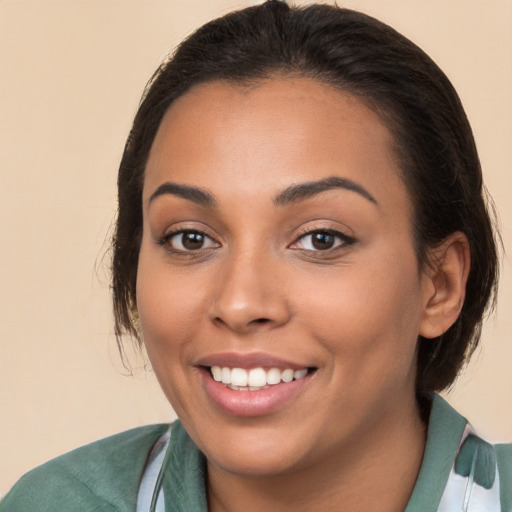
(185, 476)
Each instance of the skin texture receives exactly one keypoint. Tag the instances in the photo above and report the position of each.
(353, 433)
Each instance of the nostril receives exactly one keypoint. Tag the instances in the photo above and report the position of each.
(261, 320)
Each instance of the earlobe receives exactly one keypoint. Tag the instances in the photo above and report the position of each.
(448, 274)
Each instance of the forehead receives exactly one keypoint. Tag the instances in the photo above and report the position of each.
(269, 135)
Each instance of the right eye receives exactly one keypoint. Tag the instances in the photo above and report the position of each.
(188, 240)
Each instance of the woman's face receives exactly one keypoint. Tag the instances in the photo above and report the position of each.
(277, 244)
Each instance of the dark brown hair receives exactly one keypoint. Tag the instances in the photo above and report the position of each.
(360, 55)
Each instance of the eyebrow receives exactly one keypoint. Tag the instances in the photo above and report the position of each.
(291, 194)
(197, 195)
(302, 191)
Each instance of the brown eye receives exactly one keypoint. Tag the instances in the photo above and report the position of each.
(190, 241)
(322, 240)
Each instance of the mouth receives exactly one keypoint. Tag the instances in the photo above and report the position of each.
(256, 379)
(253, 384)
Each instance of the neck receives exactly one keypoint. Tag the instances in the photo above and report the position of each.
(377, 471)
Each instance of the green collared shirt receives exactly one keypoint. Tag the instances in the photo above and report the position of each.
(458, 470)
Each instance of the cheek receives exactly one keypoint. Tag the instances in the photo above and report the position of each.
(167, 309)
(167, 319)
(368, 318)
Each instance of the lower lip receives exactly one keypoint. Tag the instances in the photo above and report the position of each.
(252, 403)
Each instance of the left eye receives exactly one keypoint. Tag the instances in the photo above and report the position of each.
(190, 241)
(321, 241)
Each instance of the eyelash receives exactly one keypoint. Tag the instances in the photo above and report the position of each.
(340, 240)
(166, 240)
(343, 240)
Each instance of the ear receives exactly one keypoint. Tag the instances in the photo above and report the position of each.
(447, 276)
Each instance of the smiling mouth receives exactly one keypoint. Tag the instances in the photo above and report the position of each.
(256, 379)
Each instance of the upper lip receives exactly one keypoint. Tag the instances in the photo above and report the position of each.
(250, 360)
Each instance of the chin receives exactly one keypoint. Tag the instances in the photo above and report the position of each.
(268, 448)
(259, 463)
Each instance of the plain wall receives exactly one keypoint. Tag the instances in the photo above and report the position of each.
(72, 72)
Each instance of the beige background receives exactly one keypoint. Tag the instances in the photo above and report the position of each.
(71, 75)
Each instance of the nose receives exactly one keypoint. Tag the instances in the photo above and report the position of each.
(250, 294)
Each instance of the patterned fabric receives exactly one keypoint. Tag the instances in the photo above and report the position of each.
(103, 476)
(474, 482)
(149, 488)
(460, 472)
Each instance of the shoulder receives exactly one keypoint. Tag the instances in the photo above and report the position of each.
(504, 456)
(103, 475)
(504, 452)
(459, 467)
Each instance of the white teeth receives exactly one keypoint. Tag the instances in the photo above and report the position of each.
(287, 375)
(226, 376)
(246, 388)
(217, 373)
(298, 374)
(238, 377)
(255, 379)
(274, 376)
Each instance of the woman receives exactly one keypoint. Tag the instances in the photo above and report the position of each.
(304, 248)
